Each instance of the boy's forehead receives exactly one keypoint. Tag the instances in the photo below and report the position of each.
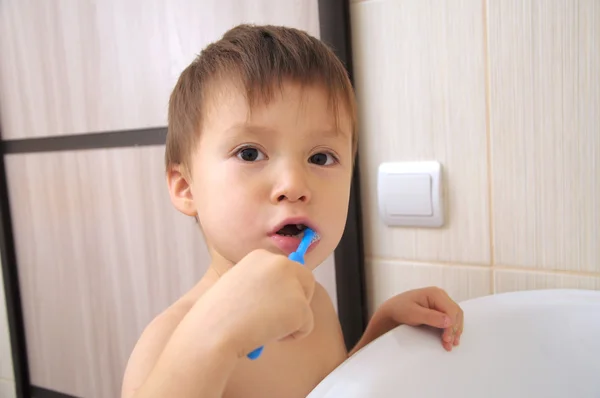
(293, 103)
(263, 130)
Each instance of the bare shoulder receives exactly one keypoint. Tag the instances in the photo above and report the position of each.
(155, 337)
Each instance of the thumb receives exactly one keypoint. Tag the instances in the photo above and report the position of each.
(429, 317)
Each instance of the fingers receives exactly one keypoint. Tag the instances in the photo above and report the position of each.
(461, 325)
(442, 302)
(429, 317)
(451, 330)
(457, 327)
(448, 339)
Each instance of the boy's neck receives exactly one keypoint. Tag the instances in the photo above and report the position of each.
(219, 264)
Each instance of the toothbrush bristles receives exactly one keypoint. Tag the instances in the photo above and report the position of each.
(306, 242)
(315, 238)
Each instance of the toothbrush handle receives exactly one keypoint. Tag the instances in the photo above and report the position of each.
(297, 257)
(256, 353)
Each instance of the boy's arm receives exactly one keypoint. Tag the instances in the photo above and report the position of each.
(154, 339)
(150, 346)
(196, 362)
(379, 324)
(264, 298)
(428, 306)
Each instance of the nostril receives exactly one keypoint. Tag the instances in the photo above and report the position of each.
(281, 198)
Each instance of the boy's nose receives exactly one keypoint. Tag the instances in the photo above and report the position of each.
(291, 186)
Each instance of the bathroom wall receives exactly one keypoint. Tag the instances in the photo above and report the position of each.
(100, 250)
(506, 95)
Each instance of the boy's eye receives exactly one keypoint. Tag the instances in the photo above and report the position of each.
(250, 154)
(322, 159)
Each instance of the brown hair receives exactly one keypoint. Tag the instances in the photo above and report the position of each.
(260, 57)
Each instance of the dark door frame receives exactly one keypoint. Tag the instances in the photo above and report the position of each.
(334, 20)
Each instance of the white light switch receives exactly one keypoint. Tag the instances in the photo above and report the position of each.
(410, 194)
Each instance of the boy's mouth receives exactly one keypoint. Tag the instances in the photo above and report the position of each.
(292, 230)
(288, 237)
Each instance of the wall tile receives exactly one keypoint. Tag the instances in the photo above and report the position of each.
(510, 281)
(545, 119)
(387, 278)
(420, 82)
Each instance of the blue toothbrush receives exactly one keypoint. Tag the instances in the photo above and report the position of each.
(298, 256)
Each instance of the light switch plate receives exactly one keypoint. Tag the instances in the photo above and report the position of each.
(410, 194)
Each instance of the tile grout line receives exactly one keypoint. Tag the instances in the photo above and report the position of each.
(498, 267)
(488, 100)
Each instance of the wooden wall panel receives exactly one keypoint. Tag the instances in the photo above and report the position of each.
(72, 67)
(101, 251)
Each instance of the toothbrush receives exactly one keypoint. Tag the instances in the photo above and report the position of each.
(309, 237)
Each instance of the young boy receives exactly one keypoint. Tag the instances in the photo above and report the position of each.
(261, 144)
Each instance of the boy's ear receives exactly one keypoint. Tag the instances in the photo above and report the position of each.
(180, 191)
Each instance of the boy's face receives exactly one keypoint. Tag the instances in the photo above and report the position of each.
(253, 173)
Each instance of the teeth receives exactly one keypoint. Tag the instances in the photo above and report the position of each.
(300, 235)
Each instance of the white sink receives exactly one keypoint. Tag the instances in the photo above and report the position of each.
(543, 343)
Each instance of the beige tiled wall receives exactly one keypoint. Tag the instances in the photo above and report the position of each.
(506, 95)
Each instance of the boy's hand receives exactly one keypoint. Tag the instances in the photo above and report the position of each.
(263, 298)
(428, 306)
